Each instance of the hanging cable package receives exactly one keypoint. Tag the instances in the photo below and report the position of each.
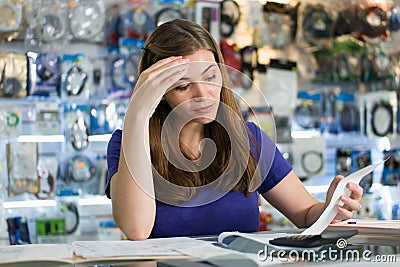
(347, 113)
(18, 230)
(43, 74)
(343, 161)
(137, 21)
(391, 169)
(347, 21)
(373, 21)
(11, 19)
(310, 156)
(103, 117)
(47, 171)
(78, 172)
(47, 22)
(329, 122)
(47, 118)
(87, 20)
(348, 58)
(378, 111)
(167, 10)
(122, 67)
(76, 81)
(13, 71)
(230, 16)
(307, 112)
(22, 159)
(280, 24)
(379, 64)
(316, 23)
(77, 127)
(10, 121)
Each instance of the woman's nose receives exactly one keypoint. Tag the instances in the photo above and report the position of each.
(199, 90)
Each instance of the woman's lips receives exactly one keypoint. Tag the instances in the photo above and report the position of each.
(204, 109)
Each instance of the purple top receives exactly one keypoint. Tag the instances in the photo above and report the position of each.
(232, 212)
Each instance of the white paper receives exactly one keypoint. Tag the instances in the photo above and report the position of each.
(36, 251)
(175, 246)
(125, 248)
(330, 212)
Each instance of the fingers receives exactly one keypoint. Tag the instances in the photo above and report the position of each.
(169, 77)
(163, 64)
(165, 80)
(343, 213)
(351, 203)
(164, 73)
(356, 190)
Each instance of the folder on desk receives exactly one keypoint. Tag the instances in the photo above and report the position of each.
(378, 227)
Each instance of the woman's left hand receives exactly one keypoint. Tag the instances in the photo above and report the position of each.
(351, 203)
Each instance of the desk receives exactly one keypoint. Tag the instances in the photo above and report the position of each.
(360, 250)
(382, 249)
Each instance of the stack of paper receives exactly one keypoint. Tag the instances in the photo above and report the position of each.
(379, 227)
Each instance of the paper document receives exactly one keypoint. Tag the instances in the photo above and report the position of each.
(127, 248)
(387, 227)
(330, 212)
(36, 251)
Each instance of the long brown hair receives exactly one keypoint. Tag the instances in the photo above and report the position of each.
(181, 37)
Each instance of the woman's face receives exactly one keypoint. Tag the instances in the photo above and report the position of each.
(198, 93)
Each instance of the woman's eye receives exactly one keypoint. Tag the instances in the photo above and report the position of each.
(213, 77)
(182, 87)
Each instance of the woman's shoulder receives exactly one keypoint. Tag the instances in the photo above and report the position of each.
(116, 137)
(117, 132)
(254, 129)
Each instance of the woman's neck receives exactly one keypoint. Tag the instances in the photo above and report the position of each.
(190, 138)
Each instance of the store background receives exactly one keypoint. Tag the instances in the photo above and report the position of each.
(299, 74)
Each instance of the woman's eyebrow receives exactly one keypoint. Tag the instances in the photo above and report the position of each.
(209, 67)
(204, 71)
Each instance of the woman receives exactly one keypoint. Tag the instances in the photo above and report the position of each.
(165, 176)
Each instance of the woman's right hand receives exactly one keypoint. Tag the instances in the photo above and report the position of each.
(155, 81)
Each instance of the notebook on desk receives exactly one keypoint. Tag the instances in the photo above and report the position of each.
(378, 227)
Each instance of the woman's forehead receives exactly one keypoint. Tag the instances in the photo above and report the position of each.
(201, 55)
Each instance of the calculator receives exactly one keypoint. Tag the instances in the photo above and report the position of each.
(309, 241)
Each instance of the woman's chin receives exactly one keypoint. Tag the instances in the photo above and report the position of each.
(204, 120)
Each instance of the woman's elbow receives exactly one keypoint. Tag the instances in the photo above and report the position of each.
(132, 230)
(137, 234)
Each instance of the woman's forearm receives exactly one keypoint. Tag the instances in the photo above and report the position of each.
(314, 213)
(132, 188)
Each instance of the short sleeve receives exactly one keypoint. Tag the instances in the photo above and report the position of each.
(113, 153)
(273, 166)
